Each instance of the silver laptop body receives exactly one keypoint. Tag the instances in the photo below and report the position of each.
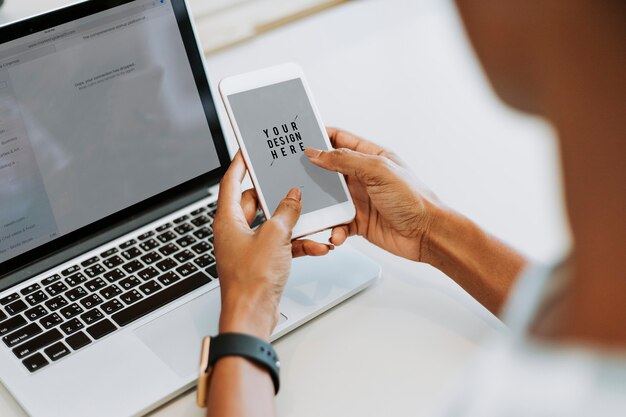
(110, 157)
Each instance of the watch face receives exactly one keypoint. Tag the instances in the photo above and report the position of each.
(203, 373)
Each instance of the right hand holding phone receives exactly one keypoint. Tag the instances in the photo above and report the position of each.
(394, 210)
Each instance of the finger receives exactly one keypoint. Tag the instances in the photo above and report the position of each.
(339, 235)
(344, 161)
(288, 211)
(306, 247)
(230, 186)
(343, 139)
(250, 204)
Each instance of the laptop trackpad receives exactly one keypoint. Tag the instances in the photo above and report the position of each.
(176, 336)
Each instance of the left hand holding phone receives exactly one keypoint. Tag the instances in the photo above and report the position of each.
(254, 265)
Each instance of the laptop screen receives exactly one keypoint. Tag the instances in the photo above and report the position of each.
(97, 114)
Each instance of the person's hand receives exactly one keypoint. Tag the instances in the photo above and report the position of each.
(253, 266)
(394, 210)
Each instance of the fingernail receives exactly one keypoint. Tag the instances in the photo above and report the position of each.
(312, 152)
(331, 247)
(295, 193)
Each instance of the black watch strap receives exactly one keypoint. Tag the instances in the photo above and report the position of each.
(249, 347)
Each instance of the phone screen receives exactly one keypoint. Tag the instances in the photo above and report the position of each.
(276, 123)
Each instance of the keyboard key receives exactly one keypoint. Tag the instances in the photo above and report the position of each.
(51, 320)
(111, 291)
(166, 264)
(131, 297)
(56, 303)
(91, 301)
(16, 307)
(146, 235)
(204, 260)
(76, 279)
(36, 298)
(51, 279)
(57, 351)
(21, 335)
(181, 219)
(210, 239)
(35, 362)
(109, 252)
(131, 253)
(168, 278)
(114, 275)
(72, 326)
(95, 284)
(198, 211)
(161, 298)
(12, 324)
(133, 266)
(151, 257)
(148, 245)
(148, 273)
(37, 343)
(92, 316)
(185, 241)
(128, 283)
(76, 293)
(6, 300)
(128, 244)
(113, 261)
(71, 311)
(201, 220)
(212, 270)
(56, 288)
(212, 206)
(150, 287)
(2, 315)
(101, 329)
(183, 228)
(184, 256)
(35, 313)
(258, 220)
(201, 247)
(29, 289)
(202, 233)
(69, 271)
(78, 340)
(169, 249)
(166, 236)
(112, 306)
(163, 227)
(95, 270)
(186, 269)
(90, 261)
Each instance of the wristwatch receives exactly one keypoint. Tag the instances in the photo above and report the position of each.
(235, 344)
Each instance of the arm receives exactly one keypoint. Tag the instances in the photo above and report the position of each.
(251, 290)
(396, 212)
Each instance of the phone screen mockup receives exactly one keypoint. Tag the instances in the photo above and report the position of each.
(276, 123)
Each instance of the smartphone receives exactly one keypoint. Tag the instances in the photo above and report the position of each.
(274, 118)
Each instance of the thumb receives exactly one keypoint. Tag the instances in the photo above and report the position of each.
(288, 211)
(343, 160)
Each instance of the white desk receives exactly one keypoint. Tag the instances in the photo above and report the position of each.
(399, 72)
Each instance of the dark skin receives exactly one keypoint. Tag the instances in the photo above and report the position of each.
(561, 59)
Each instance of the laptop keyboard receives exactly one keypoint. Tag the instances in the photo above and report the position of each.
(65, 312)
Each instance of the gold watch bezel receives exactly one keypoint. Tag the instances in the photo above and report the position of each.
(204, 373)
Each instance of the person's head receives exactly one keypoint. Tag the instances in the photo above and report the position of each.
(525, 45)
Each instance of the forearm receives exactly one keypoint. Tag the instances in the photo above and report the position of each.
(240, 388)
(480, 263)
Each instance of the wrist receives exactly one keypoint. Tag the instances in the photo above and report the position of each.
(243, 315)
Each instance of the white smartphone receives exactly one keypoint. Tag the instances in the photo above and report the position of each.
(275, 119)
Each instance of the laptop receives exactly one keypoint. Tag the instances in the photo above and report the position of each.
(111, 153)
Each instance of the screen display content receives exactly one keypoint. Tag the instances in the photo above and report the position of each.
(276, 123)
(96, 115)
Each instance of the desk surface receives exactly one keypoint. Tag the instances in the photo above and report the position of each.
(400, 72)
